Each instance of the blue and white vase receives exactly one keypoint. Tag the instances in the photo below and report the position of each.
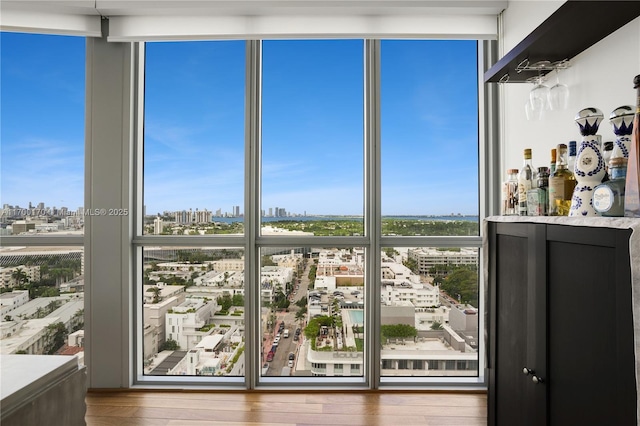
(589, 167)
(621, 119)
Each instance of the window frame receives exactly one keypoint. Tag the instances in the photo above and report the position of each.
(372, 241)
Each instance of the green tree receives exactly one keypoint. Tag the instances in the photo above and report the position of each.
(390, 251)
(395, 331)
(436, 326)
(412, 264)
(169, 345)
(464, 282)
(19, 277)
(156, 294)
(54, 337)
(301, 313)
(312, 330)
(225, 302)
(237, 300)
(267, 261)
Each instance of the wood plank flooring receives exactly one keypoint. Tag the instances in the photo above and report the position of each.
(284, 408)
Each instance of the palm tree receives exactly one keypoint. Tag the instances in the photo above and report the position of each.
(20, 277)
(156, 294)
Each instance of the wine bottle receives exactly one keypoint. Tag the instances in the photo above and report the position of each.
(561, 185)
(527, 179)
(632, 186)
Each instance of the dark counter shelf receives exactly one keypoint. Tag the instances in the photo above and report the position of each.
(570, 30)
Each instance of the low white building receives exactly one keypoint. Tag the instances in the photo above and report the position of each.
(421, 296)
(213, 355)
(428, 257)
(28, 336)
(183, 322)
(13, 300)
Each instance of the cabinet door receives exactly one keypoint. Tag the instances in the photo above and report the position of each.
(590, 342)
(516, 328)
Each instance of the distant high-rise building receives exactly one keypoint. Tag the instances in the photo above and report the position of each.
(271, 211)
(41, 206)
(236, 211)
(157, 226)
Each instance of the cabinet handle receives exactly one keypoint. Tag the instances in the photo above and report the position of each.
(527, 371)
(536, 380)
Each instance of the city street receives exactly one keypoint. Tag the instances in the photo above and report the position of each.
(287, 345)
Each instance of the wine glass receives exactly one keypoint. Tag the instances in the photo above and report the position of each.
(558, 95)
(533, 114)
(540, 93)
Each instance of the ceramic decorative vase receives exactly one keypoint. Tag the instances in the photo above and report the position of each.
(621, 119)
(589, 167)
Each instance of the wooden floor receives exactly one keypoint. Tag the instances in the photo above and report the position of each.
(300, 408)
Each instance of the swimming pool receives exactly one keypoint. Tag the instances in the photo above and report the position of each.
(356, 315)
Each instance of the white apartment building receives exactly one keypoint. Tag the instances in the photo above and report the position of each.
(291, 260)
(13, 300)
(420, 296)
(228, 265)
(29, 335)
(213, 354)
(157, 226)
(275, 275)
(8, 280)
(424, 357)
(166, 292)
(191, 216)
(182, 322)
(428, 257)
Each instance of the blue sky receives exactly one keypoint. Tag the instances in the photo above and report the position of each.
(42, 82)
(312, 111)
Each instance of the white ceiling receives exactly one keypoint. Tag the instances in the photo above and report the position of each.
(255, 7)
(146, 20)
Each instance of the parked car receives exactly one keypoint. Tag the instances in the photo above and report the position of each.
(270, 356)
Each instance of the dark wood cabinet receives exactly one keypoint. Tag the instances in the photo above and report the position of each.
(560, 324)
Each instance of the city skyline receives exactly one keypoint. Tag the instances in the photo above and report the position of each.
(312, 127)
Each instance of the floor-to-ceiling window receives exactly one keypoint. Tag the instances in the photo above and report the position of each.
(310, 212)
(429, 186)
(42, 193)
(191, 286)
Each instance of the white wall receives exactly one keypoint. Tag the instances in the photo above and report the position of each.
(601, 77)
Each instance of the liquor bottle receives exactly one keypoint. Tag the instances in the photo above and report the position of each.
(607, 152)
(621, 120)
(589, 169)
(561, 185)
(571, 159)
(608, 197)
(538, 198)
(632, 186)
(552, 165)
(510, 193)
(526, 180)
